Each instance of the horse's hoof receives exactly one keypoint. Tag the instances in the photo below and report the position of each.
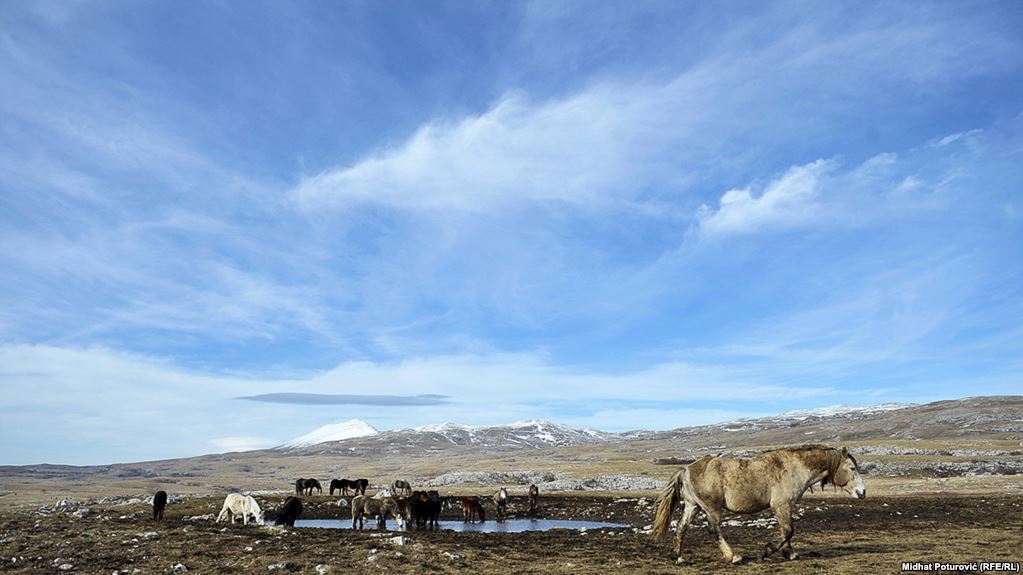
(680, 561)
(736, 559)
(792, 556)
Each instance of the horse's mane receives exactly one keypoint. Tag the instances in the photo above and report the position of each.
(832, 457)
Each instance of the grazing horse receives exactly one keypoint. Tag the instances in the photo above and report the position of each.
(774, 479)
(306, 486)
(534, 494)
(238, 505)
(362, 506)
(501, 501)
(289, 512)
(400, 486)
(471, 508)
(159, 502)
(343, 485)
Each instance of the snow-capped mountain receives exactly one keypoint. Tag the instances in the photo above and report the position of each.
(331, 433)
(533, 433)
(841, 410)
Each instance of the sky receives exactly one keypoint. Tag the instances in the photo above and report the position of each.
(224, 224)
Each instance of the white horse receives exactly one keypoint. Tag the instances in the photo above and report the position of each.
(236, 505)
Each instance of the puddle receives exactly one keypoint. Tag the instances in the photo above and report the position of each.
(507, 526)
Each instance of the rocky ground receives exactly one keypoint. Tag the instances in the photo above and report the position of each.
(834, 535)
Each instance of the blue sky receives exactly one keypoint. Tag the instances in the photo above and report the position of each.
(614, 215)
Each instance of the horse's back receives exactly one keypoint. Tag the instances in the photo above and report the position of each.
(740, 485)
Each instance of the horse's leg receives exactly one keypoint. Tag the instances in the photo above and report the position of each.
(714, 520)
(683, 525)
(783, 513)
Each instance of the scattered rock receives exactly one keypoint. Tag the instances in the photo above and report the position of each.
(180, 568)
(400, 540)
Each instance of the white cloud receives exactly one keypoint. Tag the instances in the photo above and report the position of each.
(576, 150)
(789, 201)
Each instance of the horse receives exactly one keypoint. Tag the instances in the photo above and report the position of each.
(501, 500)
(362, 506)
(236, 505)
(361, 485)
(306, 486)
(343, 485)
(534, 494)
(289, 512)
(470, 508)
(400, 486)
(425, 508)
(159, 502)
(774, 479)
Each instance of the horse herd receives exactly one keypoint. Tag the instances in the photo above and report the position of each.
(400, 503)
(775, 479)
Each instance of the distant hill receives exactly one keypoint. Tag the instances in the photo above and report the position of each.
(531, 434)
(954, 418)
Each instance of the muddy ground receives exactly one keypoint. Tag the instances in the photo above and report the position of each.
(834, 535)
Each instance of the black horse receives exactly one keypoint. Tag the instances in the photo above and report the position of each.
(425, 507)
(159, 502)
(289, 512)
(343, 485)
(361, 485)
(306, 486)
(534, 494)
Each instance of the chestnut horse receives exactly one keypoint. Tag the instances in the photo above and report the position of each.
(471, 508)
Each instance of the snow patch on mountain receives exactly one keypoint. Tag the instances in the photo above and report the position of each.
(843, 409)
(333, 432)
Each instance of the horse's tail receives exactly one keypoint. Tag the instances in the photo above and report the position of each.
(668, 499)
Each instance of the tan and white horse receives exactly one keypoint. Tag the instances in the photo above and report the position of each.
(381, 507)
(774, 479)
(501, 501)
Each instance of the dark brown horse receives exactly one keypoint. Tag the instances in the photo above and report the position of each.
(361, 485)
(534, 494)
(401, 487)
(289, 512)
(425, 508)
(343, 485)
(159, 502)
(471, 508)
(306, 486)
(774, 479)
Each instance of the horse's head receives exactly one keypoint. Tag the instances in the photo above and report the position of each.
(846, 476)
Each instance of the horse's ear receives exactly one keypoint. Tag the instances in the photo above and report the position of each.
(845, 452)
